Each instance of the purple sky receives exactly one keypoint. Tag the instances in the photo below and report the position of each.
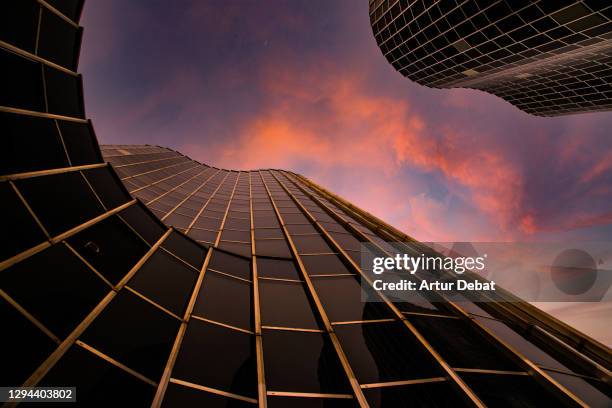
(302, 85)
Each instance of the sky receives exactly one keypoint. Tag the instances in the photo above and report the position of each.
(302, 85)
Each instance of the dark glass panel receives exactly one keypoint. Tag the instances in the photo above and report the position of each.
(301, 229)
(18, 23)
(143, 222)
(237, 223)
(585, 391)
(310, 244)
(296, 402)
(435, 395)
(20, 229)
(20, 134)
(209, 223)
(58, 40)
(294, 218)
(203, 235)
(234, 265)
(265, 221)
(244, 236)
(263, 233)
(56, 287)
(226, 300)
(135, 333)
(80, 143)
(272, 247)
(236, 248)
(285, 304)
(21, 82)
(107, 187)
(218, 357)
(111, 247)
(380, 352)
(323, 265)
(24, 349)
(69, 8)
(347, 241)
(165, 280)
(460, 344)
(185, 249)
(523, 346)
(60, 201)
(509, 390)
(302, 362)
(277, 268)
(63, 93)
(181, 396)
(344, 300)
(98, 382)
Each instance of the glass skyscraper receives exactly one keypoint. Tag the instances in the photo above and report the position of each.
(546, 57)
(142, 277)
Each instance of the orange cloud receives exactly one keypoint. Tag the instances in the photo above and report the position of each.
(328, 125)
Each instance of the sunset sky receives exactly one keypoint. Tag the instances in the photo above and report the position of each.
(302, 85)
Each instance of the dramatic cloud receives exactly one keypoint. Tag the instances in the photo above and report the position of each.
(301, 85)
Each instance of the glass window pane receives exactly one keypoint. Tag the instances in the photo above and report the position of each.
(277, 268)
(107, 187)
(236, 248)
(185, 249)
(285, 304)
(165, 280)
(60, 201)
(460, 344)
(268, 233)
(243, 236)
(272, 247)
(58, 40)
(344, 300)
(380, 352)
(509, 390)
(324, 265)
(301, 229)
(111, 247)
(525, 347)
(20, 226)
(181, 396)
(80, 142)
(21, 84)
(94, 377)
(226, 300)
(203, 235)
(24, 350)
(19, 132)
(232, 264)
(18, 27)
(145, 223)
(440, 395)
(585, 391)
(302, 362)
(237, 223)
(218, 357)
(296, 402)
(310, 244)
(135, 333)
(56, 287)
(63, 93)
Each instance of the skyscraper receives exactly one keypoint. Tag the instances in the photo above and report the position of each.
(547, 58)
(142, 277)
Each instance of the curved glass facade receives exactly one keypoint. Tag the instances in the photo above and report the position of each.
(142, 277)
(547, 58)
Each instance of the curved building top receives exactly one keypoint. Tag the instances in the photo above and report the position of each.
(545, 57)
